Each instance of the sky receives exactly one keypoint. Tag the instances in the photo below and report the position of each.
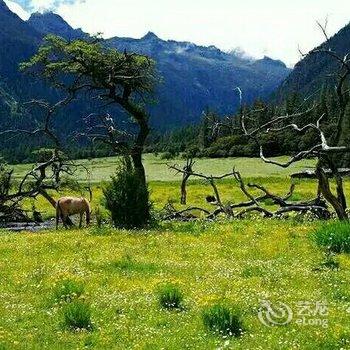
(275, 28)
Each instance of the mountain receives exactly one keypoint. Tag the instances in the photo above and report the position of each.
(193, 77)
(50, 23)
(197, 77)
(315, 71)
(18, 41)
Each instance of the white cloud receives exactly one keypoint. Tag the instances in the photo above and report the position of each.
(42, 5)
(271, 27)
(49, 5)
(17, 9)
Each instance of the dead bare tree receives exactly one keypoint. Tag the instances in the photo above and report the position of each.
(101, 128)
(254, 203)
(43, 177)
(325, 150)
(186, 174)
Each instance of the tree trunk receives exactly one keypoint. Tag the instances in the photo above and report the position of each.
(324, 188)
(188, 170)
(138, 165)
(141, 117)
(48, 198)
(183, 189)
(137, 150)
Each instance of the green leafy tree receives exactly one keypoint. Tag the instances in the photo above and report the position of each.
(122, 79)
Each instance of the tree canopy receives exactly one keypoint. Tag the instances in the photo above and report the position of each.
(105, 74)
(82, 64)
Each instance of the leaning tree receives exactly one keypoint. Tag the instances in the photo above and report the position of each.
(91, 70)
(329, 149)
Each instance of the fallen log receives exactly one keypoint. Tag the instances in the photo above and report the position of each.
(311, 174)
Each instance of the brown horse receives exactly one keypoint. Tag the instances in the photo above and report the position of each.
(67, 206)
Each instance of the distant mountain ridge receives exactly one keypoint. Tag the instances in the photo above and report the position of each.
(314, 72)
(197, 77)
(18, 41)
(194, 77)
(51, 23)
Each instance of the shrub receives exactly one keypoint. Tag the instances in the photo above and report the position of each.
(77, 315)
(170, 297)
(68, 290)
(223, 320)
(127, 198)
(335, 237)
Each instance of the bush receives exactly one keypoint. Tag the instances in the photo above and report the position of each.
(77, 315)
(127, 198)
(68, 290)
(335, 237)
(170, 297)
(223, 320)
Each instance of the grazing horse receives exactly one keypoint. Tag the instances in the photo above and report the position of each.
(67, 206)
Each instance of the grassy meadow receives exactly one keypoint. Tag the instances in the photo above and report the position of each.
(237, 263)
(164, 184)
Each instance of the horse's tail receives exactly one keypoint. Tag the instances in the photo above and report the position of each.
(58, 213)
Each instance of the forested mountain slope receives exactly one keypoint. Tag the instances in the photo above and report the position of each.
(316, 71)
(193, 77)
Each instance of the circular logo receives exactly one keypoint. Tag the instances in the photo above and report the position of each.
(279, 314)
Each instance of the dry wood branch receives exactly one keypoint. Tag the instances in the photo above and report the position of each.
(311, 174)
(102, 128)
(267, 214)
(45, 176)
(323, 150)
(182, 215)
(188, 169)
(317, 207)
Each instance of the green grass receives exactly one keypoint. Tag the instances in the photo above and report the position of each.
(157, 169)
(164, 192)
(67, 290)
(77, 316)
(335, 237)
(116, 274)
(164, 183)
(224, 320)
(170, 296)
(122, 270)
